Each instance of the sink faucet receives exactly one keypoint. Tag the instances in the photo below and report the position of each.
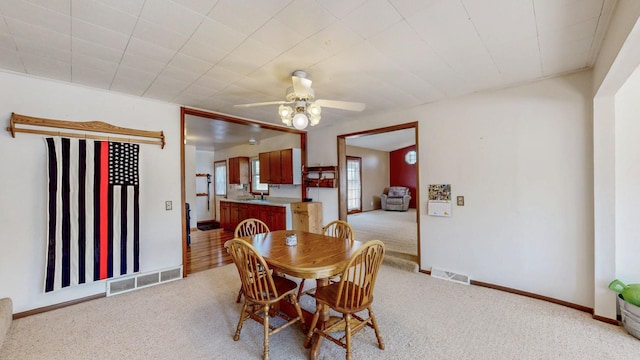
(261, 195)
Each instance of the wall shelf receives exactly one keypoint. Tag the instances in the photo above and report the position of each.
(321, 176)
(207, 194)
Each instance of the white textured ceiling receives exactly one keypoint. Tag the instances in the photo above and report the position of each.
(213, 54)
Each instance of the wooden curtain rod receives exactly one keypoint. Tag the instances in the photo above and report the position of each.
(92, 126)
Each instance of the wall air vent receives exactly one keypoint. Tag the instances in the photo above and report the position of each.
(450, 276)
(142, 280)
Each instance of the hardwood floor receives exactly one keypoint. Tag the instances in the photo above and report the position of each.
(207, 250)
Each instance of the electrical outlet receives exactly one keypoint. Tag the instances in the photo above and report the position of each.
(168, 205)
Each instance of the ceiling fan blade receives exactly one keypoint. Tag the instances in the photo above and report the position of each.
(301, 86)
(262, 104)
(344, 105)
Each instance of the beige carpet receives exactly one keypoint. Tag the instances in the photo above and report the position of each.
(420, 318)
(398, 230)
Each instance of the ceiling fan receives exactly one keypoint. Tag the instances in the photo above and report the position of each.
(299, 109)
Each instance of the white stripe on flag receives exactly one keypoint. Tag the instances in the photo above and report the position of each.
(74, 211)
(117, 212)
(130, 229)
(89, 210)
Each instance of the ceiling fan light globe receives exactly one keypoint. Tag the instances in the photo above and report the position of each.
(314, 109)
(285, 111)
(300, 121)
(314, 120)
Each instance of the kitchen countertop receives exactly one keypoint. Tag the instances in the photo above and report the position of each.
(266, 201)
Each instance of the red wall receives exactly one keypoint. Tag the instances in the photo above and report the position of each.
(401, 173)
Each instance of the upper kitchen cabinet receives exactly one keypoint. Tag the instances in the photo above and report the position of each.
(281, 167)
(239, 170)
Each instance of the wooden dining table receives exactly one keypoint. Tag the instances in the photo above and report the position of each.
(315, 256)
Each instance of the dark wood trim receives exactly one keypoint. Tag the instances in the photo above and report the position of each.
(183, 196)
(342, 178)
(418, 210)
(57, 306)
(303, 155)
(606, 320)
(383, 130)
(233, 119)
(532, 295)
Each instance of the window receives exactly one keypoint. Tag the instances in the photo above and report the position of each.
(410, 157)
(354, 185)
(220, 178)
(256, 186)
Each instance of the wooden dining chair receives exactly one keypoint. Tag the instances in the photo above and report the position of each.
(336, 228)
(340, 229)
(261, 291)
(354, 293)
(249, 227)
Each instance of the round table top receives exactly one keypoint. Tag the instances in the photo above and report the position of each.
(315, 256)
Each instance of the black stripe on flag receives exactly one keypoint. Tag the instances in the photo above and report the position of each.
(53, 186)
(82, 208)
(66, 213)
(136, 229)
(123, 232)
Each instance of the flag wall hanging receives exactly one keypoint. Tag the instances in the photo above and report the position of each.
(93, 212)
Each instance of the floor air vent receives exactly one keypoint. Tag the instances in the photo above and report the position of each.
(139, 281)
(451, 276)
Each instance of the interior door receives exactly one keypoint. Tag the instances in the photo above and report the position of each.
(354, 184)
(219, 185)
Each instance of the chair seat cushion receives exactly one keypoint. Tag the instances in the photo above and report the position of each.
(329, 294)
(284, 285)
(395, 201)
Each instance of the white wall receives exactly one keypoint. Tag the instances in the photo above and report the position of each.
(619, 57)
(190, 183)
(23, 182)
(522, 157)
(627, 176)
(375, 175)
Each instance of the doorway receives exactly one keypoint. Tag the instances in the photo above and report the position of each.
(219, 132)
(397, 138)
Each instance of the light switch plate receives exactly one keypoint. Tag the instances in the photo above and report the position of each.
(168, 205)
(460, 200)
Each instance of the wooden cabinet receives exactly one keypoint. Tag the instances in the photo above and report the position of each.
(281, 167)
(232, 213)
(239, 170)
(307, 216)
(287, 167)
(225, 214)
(265, 167)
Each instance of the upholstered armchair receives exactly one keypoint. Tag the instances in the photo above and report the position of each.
(396, 198)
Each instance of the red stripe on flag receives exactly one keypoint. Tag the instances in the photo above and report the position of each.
(104, 207)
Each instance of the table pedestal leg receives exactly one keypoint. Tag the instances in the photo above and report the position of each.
(322, 322)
